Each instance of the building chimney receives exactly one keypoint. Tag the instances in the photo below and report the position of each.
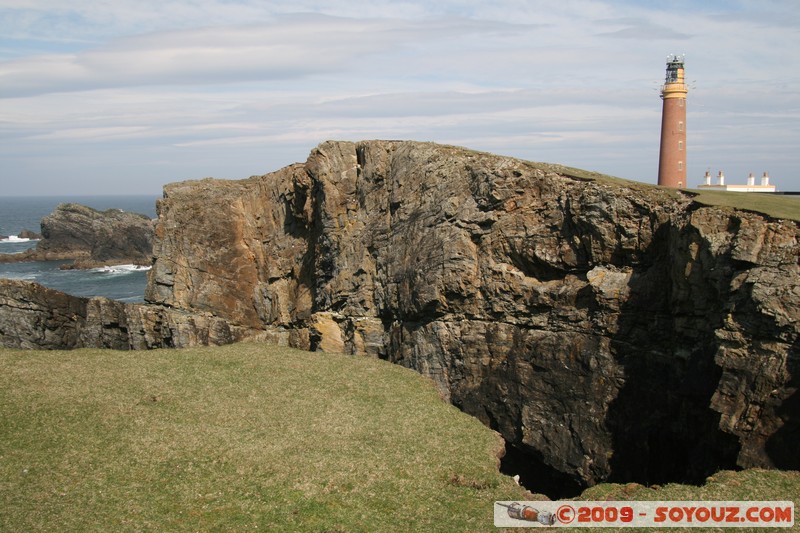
(751, 180)
(765, 179)
(720, 178)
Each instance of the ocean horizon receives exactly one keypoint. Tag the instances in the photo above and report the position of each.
(18, 213)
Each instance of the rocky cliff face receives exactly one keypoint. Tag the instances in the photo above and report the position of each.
(36, 317)
(92, 238)
(608, 330)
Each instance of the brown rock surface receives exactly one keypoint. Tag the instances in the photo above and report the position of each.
(36, 317)
(613, 329)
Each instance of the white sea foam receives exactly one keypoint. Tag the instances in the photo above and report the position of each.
(21, 276)
(15, 239)
(120, 269)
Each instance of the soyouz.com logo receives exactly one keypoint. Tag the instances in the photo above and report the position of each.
(644, 514)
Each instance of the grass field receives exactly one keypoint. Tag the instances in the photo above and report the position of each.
(252, 437)
(241, 437)
(746, 485)
(776, 206)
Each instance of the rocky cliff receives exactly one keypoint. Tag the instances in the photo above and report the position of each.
(91, 238)
(610, 330)
(36, 317)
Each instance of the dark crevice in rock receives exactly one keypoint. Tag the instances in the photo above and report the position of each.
(663, 430)
(536, 476)
(662, 426)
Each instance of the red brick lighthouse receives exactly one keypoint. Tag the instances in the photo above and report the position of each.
(672, 158)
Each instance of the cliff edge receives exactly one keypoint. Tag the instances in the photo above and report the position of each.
(610, 329)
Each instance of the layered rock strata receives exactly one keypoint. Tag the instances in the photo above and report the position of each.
(36, 317)
(614, 330)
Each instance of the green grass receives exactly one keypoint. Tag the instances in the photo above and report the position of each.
(753, 484)
(747, 485)
(254, 437)
(241, 437)
(776, 206)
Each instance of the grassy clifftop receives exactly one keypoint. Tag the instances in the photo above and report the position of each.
(773, 205)
(253, 437)
(776, 206)
(238, 437)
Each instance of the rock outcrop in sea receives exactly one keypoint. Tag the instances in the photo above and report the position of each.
(91, 238)
(608, 330)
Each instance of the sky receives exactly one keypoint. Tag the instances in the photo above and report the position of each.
(124, 96)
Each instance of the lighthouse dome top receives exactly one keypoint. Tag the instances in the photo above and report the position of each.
(676, 60)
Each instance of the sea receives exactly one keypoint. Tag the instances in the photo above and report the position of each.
(124, 282)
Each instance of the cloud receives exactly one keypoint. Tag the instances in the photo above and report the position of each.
(636, 28)
(290, 47)
(276, 51)
(167, 90)
(106, 133)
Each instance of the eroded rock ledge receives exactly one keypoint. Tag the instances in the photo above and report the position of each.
(36, 317)
(612, 330)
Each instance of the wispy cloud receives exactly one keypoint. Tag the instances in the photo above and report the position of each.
(637, 28)
(289, 47)
(169, 90)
